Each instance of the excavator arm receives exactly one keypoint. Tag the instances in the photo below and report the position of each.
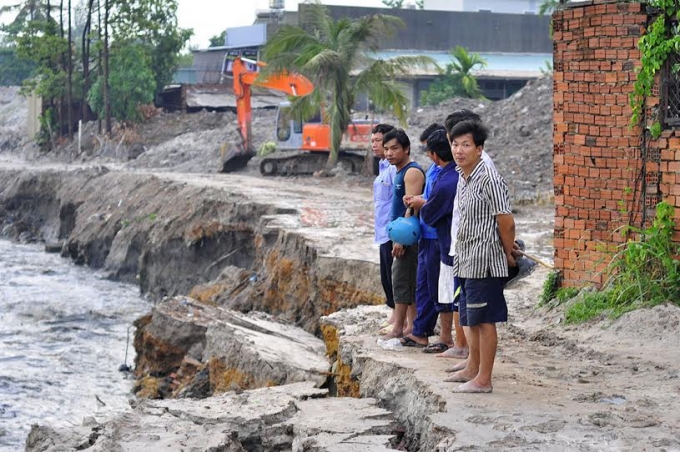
(291, 84)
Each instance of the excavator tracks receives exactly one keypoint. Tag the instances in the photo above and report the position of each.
(295, 163)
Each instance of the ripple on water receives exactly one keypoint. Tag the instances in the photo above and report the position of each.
(63, 334)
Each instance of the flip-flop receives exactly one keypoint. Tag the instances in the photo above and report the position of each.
(439, 347)
(408, 342)
(468, 388)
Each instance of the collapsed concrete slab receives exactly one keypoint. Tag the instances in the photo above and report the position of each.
(297, 417)
(197, 349)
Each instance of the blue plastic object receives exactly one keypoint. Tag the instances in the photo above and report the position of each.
(404, 231)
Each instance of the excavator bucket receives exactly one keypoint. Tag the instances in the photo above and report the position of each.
(235, 157)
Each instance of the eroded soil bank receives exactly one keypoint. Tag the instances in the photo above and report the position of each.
(302, 248)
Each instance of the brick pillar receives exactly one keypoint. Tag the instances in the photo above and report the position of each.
(597, 160)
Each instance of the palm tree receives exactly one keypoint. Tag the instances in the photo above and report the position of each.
(549, 6)
(462, 66)
(338, 56)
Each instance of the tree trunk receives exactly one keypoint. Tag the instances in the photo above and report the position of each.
(100, 57)
(86, 60)
(107, 101)
(69, 97)
(60, 120)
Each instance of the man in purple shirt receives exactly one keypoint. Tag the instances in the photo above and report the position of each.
(382, 199)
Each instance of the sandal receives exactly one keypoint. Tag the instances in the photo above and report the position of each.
(439, 347)
(408, 342)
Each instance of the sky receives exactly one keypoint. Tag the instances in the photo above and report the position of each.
(210, 17)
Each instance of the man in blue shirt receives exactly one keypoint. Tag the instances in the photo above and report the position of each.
(427, 276)
(382, 200)
(436, 212)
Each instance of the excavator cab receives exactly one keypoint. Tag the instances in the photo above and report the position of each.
(288, 130)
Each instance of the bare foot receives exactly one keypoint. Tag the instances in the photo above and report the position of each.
(455, 353)
(458, 367)
(472, 387)
(460, 377)
(407, 331)
(392, 335)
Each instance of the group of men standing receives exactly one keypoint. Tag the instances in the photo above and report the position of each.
(457, 270)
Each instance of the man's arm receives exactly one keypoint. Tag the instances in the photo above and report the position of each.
(414, 181)
(506, 230)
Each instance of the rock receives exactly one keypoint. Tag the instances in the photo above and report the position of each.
(295, 417)
(53, 247)
(243, 351)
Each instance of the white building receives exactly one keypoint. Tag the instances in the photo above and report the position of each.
(496, 6)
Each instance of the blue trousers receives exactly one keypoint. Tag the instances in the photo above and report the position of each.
(427, 287)
(386, 272)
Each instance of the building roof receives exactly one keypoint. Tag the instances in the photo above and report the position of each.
(505, 65)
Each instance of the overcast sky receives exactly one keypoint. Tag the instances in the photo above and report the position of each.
(210, 17)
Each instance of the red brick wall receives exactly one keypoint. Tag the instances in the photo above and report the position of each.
(605, 175)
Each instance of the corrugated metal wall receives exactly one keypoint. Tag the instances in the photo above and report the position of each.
(442, 30)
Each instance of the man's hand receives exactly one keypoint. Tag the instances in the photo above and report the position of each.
(398, 250)
(511, 259)
(415, 202)
(516, 252)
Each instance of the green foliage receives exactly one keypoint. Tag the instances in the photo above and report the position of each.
(547, 68)
(655, 47)
(457, 80)
(14, 70)
(24, 13)
(337, 57)
(152, 24)
(643, 273)
(185, 60)
(549, 7)
(218, 40)
(565, 294)
(393, 3)
(550, 287)
(131, 83)
(266, 149)
(41, 44)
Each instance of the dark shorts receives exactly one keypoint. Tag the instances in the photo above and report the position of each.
(404, 271)
(457, 291)
(482, 301)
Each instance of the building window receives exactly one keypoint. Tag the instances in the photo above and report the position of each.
(671, 90)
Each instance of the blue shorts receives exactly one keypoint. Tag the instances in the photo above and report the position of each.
(482, 301)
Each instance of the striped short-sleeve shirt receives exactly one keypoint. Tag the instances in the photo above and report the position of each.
(478, 250)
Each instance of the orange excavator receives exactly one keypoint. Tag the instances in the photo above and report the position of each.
(301, 148)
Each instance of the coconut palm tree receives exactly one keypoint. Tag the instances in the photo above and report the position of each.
(462, 65)
(549, 6)
(339, 58)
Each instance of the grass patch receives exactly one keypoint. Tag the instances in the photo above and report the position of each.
(550, 287)
(645, 272)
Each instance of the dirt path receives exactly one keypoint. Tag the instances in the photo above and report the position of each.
(605, 386)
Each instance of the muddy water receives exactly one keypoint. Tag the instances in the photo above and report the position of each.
(63, 336)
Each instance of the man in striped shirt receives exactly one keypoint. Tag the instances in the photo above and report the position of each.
(483, 251)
